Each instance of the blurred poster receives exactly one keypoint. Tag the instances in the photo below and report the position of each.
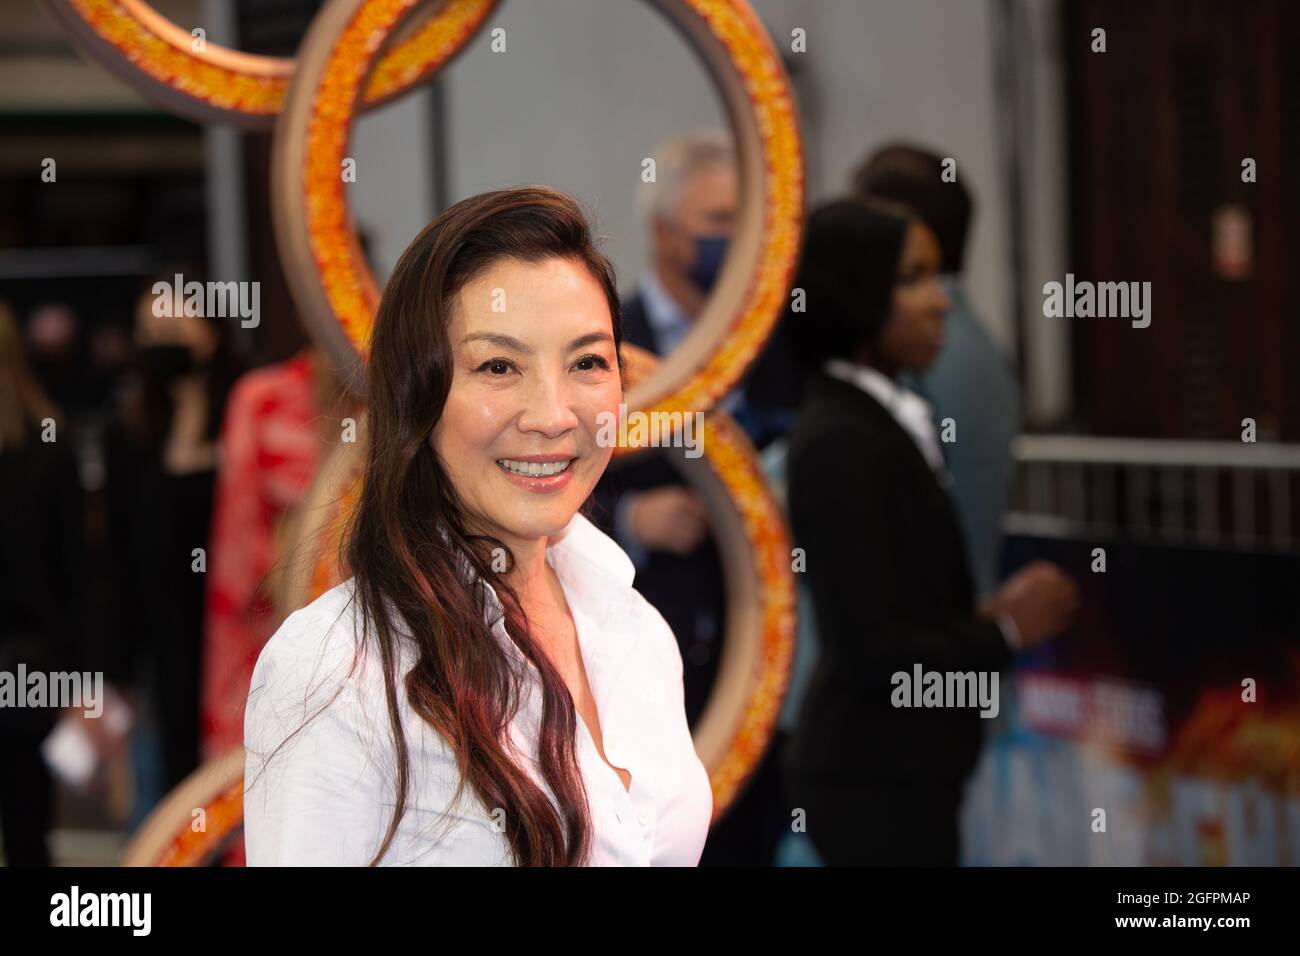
(1173, 708)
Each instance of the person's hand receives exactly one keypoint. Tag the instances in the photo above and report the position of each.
(108, 732)
(1040, 598)
(670, 519)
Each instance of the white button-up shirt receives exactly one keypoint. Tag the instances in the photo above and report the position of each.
(326, 798)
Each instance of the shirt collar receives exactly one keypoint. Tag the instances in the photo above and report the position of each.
(880, 386)
(609, 617)
(597, 577)
(583, 557)
(667, 321)
(582, 552)
(910, 410)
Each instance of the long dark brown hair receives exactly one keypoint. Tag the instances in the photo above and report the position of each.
(414, 556)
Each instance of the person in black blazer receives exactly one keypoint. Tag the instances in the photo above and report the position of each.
(886, 564)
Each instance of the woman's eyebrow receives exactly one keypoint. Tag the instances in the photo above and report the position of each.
(512, 343)
(591, 338)
(496, 338)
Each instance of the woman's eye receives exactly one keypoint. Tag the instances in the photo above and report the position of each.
(494, 367)
(589, 362)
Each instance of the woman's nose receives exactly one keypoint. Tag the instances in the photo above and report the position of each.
(548, 408)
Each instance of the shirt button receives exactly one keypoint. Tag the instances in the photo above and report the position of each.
(645, 819)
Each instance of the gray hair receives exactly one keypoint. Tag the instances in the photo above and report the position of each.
(676, 160)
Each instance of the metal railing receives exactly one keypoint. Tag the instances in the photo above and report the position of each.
(1227, 495)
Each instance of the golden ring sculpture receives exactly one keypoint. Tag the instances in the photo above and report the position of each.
(332, 78)
(210, 83)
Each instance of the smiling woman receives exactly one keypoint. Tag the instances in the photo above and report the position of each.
(536, 365)
(489, 664)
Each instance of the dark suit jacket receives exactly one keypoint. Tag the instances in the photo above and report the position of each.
(636, 325)
(688, 590)
(891, 588)
(42, 571)
(773, 386)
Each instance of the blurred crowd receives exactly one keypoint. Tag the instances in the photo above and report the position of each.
(146, 475)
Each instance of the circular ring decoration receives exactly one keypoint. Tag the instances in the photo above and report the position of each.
(168, 836)
(211, 83)
(332, 284)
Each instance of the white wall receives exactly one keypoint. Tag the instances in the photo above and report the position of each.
(583, 93)
(918, 70)
(392, 198)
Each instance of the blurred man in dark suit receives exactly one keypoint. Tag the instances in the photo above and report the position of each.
(691, 210)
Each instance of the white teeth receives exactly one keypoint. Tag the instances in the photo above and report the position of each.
(534, 469)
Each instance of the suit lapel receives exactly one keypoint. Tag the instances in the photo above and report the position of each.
(844, 394)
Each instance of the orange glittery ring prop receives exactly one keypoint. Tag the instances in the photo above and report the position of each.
(211, 83)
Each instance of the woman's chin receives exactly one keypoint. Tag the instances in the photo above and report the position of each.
(538, 519)
(526, 509)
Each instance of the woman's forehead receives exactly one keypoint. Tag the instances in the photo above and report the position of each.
(531, 300)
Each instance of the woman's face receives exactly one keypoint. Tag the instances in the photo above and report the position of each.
(535, 368)
(174, 327)
(913, 336)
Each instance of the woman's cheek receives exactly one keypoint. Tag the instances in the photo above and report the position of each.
(600, 418)
(603, 400)
(486, 408)
(471, 418)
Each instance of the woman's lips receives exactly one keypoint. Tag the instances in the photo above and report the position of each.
(540, 483)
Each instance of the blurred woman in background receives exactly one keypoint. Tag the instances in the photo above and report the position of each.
(161, 471)
(887, 566)
(40, 565)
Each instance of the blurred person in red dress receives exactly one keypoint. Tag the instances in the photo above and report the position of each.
(278, 423)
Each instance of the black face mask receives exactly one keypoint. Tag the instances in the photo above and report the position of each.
(167, 361)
